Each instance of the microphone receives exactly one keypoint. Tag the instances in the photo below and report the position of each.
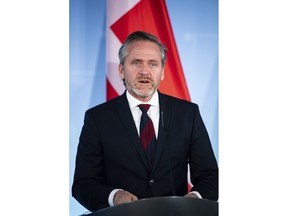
(168, 151)
(162, 120)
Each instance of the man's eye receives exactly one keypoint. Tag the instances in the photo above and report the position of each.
(153, 64)
(136, 63)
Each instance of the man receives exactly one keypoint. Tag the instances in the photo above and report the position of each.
(113, 166)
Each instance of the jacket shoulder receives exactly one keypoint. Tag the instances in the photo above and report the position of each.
(176, 101)
(104, 107)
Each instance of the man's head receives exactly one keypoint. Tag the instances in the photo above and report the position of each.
(141, 36)
(142, 60)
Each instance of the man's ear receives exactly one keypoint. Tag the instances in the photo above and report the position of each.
(121, 71)
(162, 75)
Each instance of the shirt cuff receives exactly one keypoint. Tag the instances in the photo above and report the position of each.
(111, 196)
(197, 194)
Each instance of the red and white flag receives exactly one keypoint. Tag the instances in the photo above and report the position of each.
(127, 16)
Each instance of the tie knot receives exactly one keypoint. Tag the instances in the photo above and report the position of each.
(144, 107)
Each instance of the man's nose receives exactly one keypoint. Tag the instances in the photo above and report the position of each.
(144, 69)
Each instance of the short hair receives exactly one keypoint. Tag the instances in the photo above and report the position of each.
(141, 36)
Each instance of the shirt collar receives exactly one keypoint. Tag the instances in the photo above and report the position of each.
(133, 102)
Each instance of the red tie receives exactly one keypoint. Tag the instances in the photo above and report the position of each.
(147, 134)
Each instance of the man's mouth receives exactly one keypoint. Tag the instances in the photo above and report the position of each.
(143, 81)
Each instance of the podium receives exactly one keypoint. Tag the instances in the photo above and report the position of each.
(162, 206)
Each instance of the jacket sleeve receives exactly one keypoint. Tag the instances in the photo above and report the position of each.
(89, 186)
(203, 165)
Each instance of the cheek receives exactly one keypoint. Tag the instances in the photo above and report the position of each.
(129, 77)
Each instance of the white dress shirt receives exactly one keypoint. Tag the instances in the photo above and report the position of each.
(153, 111)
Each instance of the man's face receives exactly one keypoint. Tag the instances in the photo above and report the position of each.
(142, 69)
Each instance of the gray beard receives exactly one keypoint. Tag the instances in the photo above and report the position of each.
(143, 95)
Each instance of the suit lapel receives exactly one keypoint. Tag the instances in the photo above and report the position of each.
(128, 122)
(163, 125)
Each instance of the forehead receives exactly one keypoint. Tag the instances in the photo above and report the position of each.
(144, 50)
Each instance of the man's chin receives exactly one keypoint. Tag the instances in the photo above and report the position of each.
(143, 94)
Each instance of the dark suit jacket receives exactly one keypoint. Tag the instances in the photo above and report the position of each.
(110, 155)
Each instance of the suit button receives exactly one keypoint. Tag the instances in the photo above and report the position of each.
(151, 182)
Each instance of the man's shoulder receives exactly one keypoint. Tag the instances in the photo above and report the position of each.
(176, 101)
(105, 106)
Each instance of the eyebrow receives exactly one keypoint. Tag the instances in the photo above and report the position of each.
(150, 60)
